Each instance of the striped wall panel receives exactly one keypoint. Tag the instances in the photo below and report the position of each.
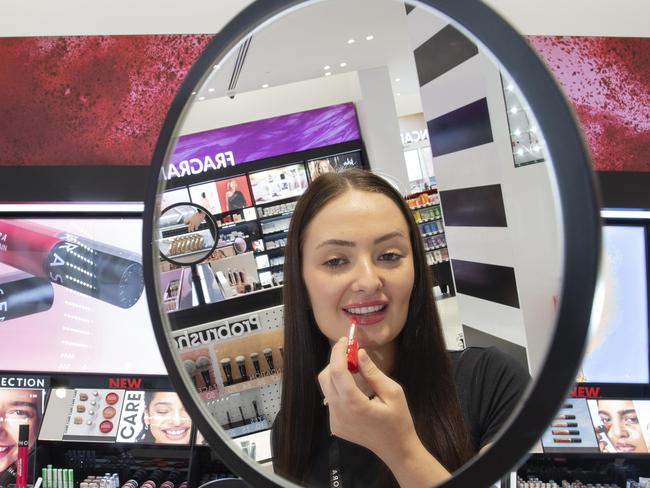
(480, 206)
(463, 128)
(486, 281)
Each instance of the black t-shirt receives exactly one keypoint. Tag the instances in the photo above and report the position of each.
(489, 385)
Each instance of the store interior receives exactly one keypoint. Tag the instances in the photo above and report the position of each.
(456, 137)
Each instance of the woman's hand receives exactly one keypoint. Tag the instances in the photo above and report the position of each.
(382, 424)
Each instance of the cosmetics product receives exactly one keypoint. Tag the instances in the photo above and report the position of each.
(353, 347)
(564, 424)
(255, 358)
(81, 408)
(567, 440)
(565, 432)
(257, 413)
(203, 365)
(241, 412)
(109, 412)
(92, 268)
(190, 367)
(241, 365)
(268, 355)
(565, 417)
(22, 294)
(83, 397)
(227, 369)
(112, 398)
(21, 461)
(604, 443)
(567, 405)
(281, 349)
(106, 426)
(229, 421)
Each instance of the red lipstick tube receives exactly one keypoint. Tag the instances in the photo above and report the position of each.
(92, 268)
(23, 451)
(353, 348)
(22, 294)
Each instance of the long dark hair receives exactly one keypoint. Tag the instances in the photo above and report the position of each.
(423, 368)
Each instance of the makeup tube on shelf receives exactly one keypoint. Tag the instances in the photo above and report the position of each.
(353, 347)
(95, 269)
(257, 412)
(241, 412)
(203, 365)
(281, 349)
(255, 358)
(190, 367)
(23, 451)
(565, 432)
(564, 424)
(22, 294)
(567, 440)
(229, 420)
(565, 417)
(227, 369)
(268, 355)
(241, 365)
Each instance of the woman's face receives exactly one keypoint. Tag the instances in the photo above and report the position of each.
(358, 262)
(168, 421)
(232, 185)
(622, 424)
(16, 407)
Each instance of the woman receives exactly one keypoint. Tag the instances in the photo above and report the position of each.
(165, 419)
(236, 199)
(353, 250)
(17, 407)
(320, 167)
(622, 424)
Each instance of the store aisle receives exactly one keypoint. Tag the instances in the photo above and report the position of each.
(451, 327)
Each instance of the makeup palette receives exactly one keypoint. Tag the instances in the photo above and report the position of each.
(93, 415)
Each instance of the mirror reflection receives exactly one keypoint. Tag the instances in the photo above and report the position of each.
(389, 253)
(186, 234)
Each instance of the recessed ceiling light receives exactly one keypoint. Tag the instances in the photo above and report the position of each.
(210, 90)
(328, 73)
(201, 98)
(399, 94)
(343, 65)
(216, 66)
(265, 85)
(370, 38)
(350, 41)
(193, 93)
(398, 80)
(326, 67)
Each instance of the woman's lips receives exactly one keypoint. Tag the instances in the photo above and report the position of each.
(5, 450)
(176, 434)
(623, 447)
(368, 318)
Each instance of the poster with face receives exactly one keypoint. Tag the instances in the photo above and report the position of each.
(234, 193)
(330, 164)
(621, 425)
(18, 407)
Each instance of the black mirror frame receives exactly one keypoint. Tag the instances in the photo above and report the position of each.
(579, 210)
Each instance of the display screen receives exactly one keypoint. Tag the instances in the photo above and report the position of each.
(72, 297)
(334, 163)
(617, 350)
(621, 425)
(278, 183)
(17, 407)
(223, 195)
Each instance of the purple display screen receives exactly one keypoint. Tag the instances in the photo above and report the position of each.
(211, 151)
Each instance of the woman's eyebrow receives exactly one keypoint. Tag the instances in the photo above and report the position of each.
(23, 404)
(344, 243)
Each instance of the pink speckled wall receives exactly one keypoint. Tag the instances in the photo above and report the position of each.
(93, 100)
(608, 81)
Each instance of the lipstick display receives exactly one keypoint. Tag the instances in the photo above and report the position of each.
(241, 365)
(255, 358)
(227, 369)
(268, 355)
(92, 268)
(22, 294)
(23, 450)
(203, 365)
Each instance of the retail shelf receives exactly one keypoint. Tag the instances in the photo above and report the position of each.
(283, 214)
(266, 234)
(429, 234)
(424, 221)
(425, 206)
(256, 383)
(430, 249)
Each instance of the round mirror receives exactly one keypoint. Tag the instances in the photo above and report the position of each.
(187, 234)
(407, 252)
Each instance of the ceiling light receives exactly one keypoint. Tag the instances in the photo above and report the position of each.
(201, 98)
(520, 152)
(514, 110)
(326, 67)
(398, 80)
(517, 132)
(510, 87)
(210, 90)
(343, 65)
(265, 85)
(328, 73)
(193, 93)
(350, 41)
(216, 66)
(370, 38)
(399, 94)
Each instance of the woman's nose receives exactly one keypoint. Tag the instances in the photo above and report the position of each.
(619, 430)
(368, 277)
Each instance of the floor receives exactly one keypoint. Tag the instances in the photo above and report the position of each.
(448, 312)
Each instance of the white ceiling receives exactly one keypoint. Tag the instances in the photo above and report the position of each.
(300, 45)
(83, 17)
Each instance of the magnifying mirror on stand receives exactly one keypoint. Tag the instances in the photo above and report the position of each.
(285, 100)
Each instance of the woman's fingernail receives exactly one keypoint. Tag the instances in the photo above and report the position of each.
(363, 356)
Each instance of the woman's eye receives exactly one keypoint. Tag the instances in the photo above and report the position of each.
(19, 413)
(605, 419)
(632, 420)
(390, 256)
(335, 262)
(162, 412)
